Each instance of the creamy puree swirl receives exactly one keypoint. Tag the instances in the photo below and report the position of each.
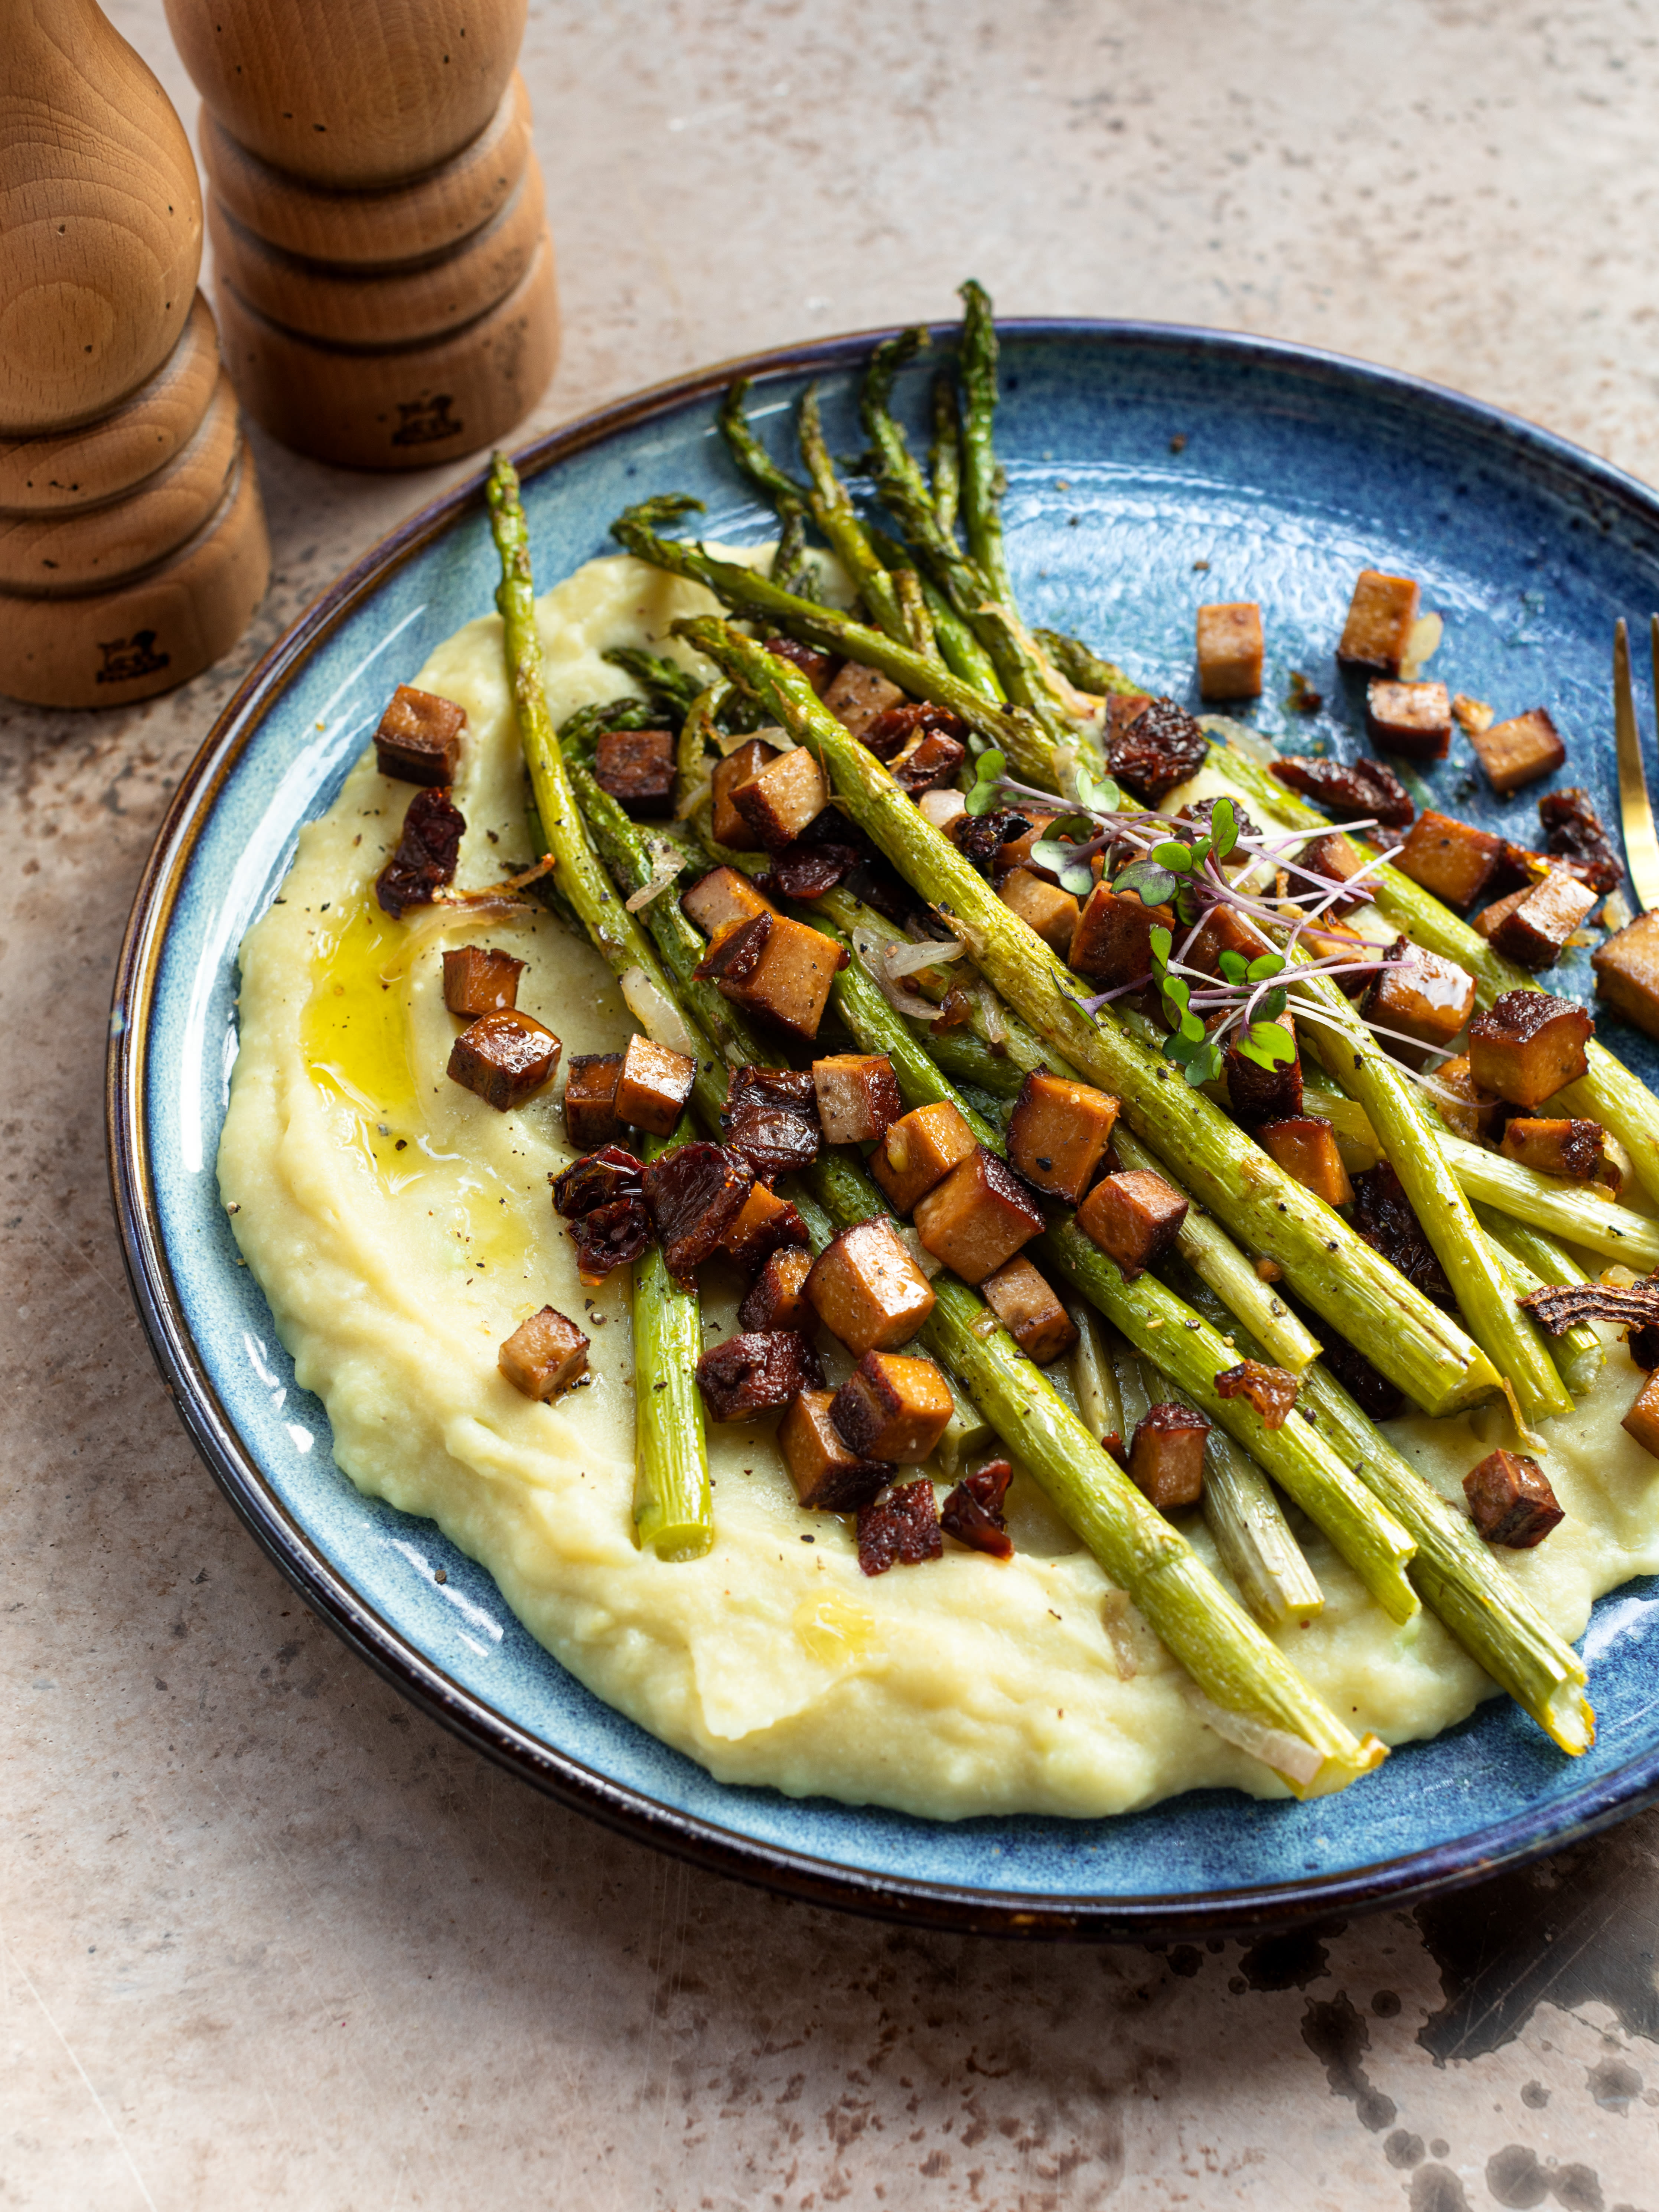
(401, 1228)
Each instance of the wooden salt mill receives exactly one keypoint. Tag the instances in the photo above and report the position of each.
(132, 541)
(385, 273)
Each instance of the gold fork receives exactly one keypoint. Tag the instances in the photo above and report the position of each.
(1635, 809)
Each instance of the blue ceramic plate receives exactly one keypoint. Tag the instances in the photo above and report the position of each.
(1150, 469)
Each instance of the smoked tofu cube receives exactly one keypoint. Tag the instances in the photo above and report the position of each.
(419, 740)
(858, 1096)
(1413, 719)
(1230, 650)
(1058, 1134)
(1627, 971)
(1511, 1501)
(741, 765)
(1053, 913)
(776, 967)
(1332, 855)
(1134, 1217)
(1381, 615)
(867, 1290)
(1225, 930)
(1466, 1110)
(1263, 1094)
(652, 1085)
(1452, 859)
(504, 1059)
(1528, 1045)
(1111, 943)
(919, 1151)
(1563, 1148)
(817, 667)
(892, 1407)
(1166, 1459)
(828, 1477)
(1421, 995)
(978, 1218)
(715, 901)
(1520, 750)
(1532, 927)
(776, 1299)
(590, 1100)
(479, 980)
(857, 696)
(1026, 1306)
(1305, 1147)
(636, 767)
(1643, 1419)
(786, 794)
(544, 1355)
(766, 1223)
(758, 1373)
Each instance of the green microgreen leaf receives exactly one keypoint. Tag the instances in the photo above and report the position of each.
(1233, 966)
(1264, 965)
(1098, 793)
(1274, 1004)
(1161, 941)
(1223, 828)
(1174, 855)
(1152, 885)
(1267, 1045)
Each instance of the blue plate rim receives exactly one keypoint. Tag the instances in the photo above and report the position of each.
(946, 1907)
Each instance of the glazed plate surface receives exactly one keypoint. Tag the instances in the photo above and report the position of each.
(1150, 469)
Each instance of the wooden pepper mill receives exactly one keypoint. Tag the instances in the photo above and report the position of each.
(385, 273)
(132, 540)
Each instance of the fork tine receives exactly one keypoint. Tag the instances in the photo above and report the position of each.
(1636, 810)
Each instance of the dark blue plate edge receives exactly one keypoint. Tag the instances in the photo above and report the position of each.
(945, 1907)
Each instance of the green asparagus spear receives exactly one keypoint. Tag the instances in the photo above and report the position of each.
(1577, 1351)
(833, 513)
(1086, 670)
(671, 686)
(961, 650)
(1250, 1530)
(945, 455)
(1398, 1330)
(982, 478)
(673, 1505)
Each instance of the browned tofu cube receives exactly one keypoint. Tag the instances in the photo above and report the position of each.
(1452, 859)
(786, 794)
(590, 1100)
(776, 967)
(858, 1096)
(1053, 913)
(419, 740)
(1559, 1147)
(817, 667)
(1305, 1147)
(978, 1216)
(1532, 927)
(758, 1373)
(1466, 1110)
(741, 765)
(1333, 855)
(1379, 626)
(1058, 1134)
(892, 1407)
(1643, 1419)
(479, 980)
(1528, 1045)
(721, 897)
(766, 1223)
(636, 767)
(919, 1151)
(1112, 941)
(867, 1290)
(1230, 650)
(827, 1476)
(1413, 719)
(1511, 1501)
(1627, 971)
(776, 1299)
(1417, 995)
(1519, 750)
(1471, 715)
(543, 1354)
(1027, 1308)
(1264, 1094)
(1491, 919)
(652, 1085)
(1336, 941)
(1225, 930)
(1134, 1217)
(504, 1059)
(857, 696)
(1166, 1460)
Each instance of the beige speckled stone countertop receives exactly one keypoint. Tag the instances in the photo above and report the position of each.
(267, 1936)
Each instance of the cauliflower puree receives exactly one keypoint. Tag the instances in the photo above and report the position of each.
(401, 1229)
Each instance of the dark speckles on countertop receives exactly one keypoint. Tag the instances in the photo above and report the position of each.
(272, 1937)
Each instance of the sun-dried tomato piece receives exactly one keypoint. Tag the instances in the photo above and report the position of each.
(1371, 1391)
(1161, 748)
(817, 667)
(1270, 1390)
(805, 870)
(695, 1193)
(980, 837)
(1561, 1306)
(1384, 1218)
(771, 1117)
(610, 1237)
(427, 852)
(890, 733)
(973, 1511)
(1573, 830)
(901, 1525)
(1349, 790)
(599, 1180)
(756, 1373)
